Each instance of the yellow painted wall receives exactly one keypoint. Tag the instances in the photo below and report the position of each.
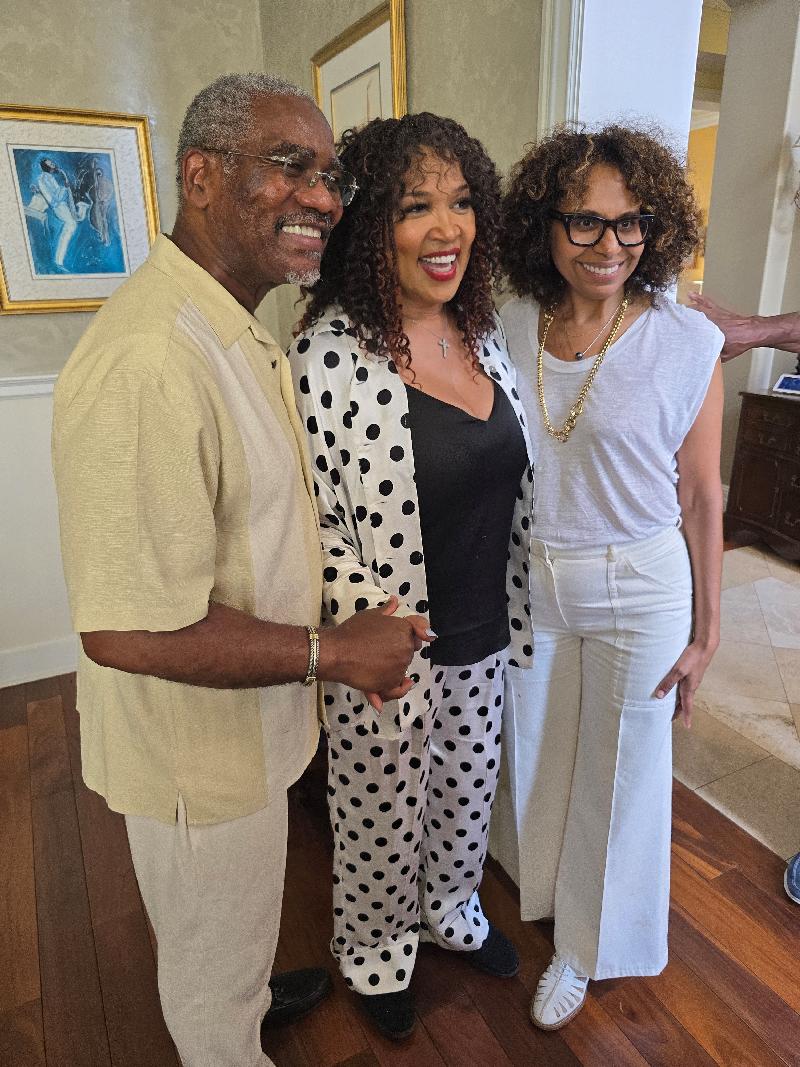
(702, 147)
(714, 28)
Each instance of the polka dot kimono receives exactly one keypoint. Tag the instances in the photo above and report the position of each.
(395, 775)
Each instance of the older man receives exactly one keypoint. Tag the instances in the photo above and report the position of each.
(192, 560)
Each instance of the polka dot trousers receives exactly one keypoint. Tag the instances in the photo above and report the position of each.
(410, 817)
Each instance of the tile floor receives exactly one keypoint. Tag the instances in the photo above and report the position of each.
(743, 751)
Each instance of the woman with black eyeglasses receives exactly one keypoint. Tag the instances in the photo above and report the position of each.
(623, 395)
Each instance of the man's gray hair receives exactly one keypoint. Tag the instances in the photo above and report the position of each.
(220, 116)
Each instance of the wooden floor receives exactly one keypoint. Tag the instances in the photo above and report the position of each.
(77, 972)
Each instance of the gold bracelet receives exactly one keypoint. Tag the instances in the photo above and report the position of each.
(313, 655)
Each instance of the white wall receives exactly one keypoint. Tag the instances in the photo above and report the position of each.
(35, 633)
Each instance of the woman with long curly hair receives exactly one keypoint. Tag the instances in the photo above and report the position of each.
(420, 456)
(622, 389)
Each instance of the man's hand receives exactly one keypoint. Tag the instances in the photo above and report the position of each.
(422, 633)
(371, 651)
(741, 331)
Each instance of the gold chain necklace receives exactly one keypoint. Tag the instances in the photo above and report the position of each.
(577, 408)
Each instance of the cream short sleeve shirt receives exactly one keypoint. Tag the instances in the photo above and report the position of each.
(182, 477)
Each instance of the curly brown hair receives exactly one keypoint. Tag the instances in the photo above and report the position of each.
(358, 270)
(557, 169)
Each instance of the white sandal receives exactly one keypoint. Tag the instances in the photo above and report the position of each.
(559, 996)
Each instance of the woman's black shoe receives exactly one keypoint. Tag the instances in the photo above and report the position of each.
(392, 1014)
(496, 955)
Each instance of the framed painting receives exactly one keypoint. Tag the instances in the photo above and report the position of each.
(78, 208)
(361, 74)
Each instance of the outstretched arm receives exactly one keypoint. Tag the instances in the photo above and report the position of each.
(743, 332)
(230, 649)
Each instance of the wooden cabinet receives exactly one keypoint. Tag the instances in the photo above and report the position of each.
(764, 497)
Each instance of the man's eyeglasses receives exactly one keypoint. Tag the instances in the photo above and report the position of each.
(298, 169)
(587, 230)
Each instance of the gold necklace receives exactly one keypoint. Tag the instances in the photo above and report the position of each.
(577, 408)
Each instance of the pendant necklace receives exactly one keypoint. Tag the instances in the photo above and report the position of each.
(442, 341)
(603, 328)
(562, 433)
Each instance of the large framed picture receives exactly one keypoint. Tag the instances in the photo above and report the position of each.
(78, 208)
(361, 74)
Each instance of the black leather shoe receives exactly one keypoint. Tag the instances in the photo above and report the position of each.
(496, 955)
(294, 993)
(392, 1014)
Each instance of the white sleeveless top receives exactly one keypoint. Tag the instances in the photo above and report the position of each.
(616, 477)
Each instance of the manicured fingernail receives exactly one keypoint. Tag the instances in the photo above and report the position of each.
(659, 693)
(430, 633)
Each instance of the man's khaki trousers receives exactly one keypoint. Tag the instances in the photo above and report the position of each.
(213, 894)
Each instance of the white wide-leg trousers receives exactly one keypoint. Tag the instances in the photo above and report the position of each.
(213, 894)
(588, 751)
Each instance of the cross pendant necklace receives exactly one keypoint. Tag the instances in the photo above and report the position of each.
(442, 341)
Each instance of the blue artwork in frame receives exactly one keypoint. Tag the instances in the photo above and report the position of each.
(78, 206)
(70, 202)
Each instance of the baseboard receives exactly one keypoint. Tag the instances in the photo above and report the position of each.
(46, 660)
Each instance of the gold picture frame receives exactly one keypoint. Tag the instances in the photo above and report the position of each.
(361, 74)
(78, 206)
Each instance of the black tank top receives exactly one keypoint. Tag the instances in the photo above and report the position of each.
(468, 475)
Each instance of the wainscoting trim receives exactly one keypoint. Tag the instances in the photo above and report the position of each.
(31, 385)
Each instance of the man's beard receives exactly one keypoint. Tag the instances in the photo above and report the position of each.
(305, 277)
